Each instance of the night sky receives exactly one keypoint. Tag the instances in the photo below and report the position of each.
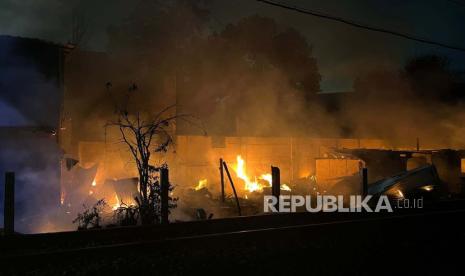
(341, 50)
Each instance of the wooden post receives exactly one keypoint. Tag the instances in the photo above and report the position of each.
(9, 208)
(364, 182)
(164, 187)
(275, 184)
(234, 189)
(222, 179)
(418, 144)
(292, 161)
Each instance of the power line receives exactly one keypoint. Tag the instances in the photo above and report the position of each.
(361, 25)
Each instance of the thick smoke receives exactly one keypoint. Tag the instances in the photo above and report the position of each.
(254, 77)
(29, 144)
(422, 100)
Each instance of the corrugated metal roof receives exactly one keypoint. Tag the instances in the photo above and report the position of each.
(407, 181)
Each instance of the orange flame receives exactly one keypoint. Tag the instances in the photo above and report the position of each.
(252, 186)
(202, 184)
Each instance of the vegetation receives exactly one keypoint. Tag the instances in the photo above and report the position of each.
(91, 217)
(126, 215)
(145, 135)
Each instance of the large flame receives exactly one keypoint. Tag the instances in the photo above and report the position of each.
(117, 204)
(255, 185)
(202, 184)
(120, 204)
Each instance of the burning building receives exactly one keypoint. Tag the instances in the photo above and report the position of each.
(309, 140)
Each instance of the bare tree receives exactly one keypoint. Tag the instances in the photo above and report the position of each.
(145, 135)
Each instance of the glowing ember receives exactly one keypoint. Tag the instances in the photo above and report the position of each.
(62, 197)
(120, 204)
(284, 187)
(94, 183)
(202, 184)
(427, 188)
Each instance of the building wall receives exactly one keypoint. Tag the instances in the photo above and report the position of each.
(330, 171)
(197, 156)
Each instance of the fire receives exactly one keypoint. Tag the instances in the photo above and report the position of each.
(427, 188)
(202, 184)
(62, 197)
(284, 187)
(267, 177)
(117, 204)
(252, 186)
(94, 183)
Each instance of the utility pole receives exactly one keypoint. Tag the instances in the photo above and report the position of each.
(233, 188)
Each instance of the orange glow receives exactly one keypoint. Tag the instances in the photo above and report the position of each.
(284, 187)
(202, 184)
(119, 204)
(252, 186)
(62, 197)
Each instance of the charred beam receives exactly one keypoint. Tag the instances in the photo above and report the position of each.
(364, 182)
(275, 184)
(234, 189)
(222, 179)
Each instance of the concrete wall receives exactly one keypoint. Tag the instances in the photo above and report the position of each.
(197, 156)
(330, 171)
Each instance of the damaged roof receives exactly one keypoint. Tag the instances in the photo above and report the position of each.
(407, 181)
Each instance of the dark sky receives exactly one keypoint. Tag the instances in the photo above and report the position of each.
(341, 50)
